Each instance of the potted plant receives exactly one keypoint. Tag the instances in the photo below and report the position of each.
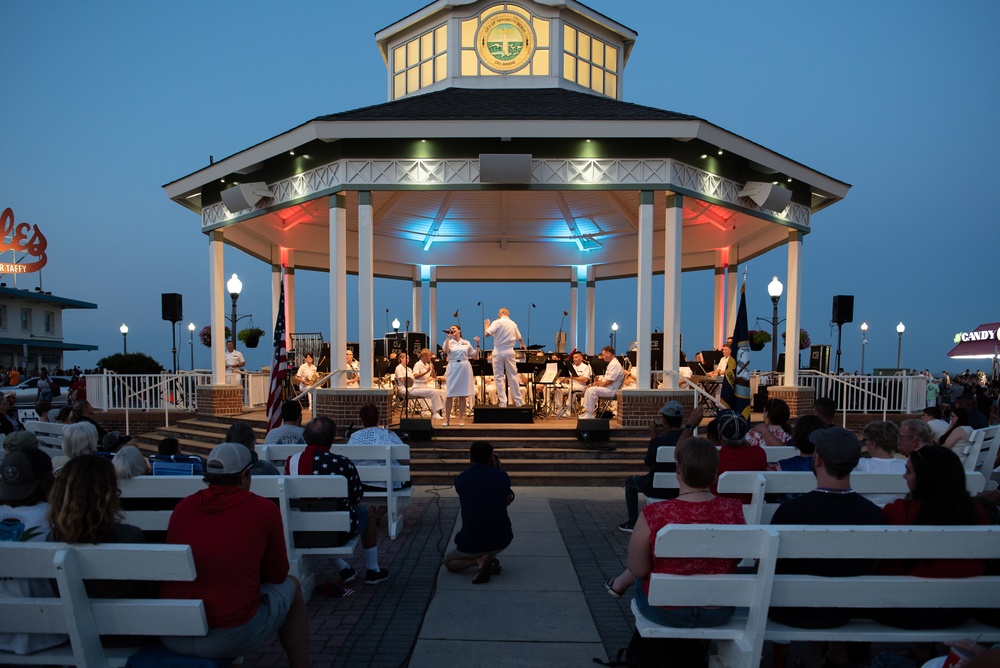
(758, 338)
(250, 336)
(205, 336)
(804, 340)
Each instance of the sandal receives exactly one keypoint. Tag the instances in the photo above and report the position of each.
(334, 590)
(483, 576)
(609, 584)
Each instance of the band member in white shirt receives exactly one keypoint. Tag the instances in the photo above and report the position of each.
(353, 379)
(425, 383)
(573, 385)
(234, 362)
(505, 334)
(306, 375)
(609, 384)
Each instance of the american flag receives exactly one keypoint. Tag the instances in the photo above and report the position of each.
(279, 366)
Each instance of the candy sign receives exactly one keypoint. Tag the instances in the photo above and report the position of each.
(21, 238)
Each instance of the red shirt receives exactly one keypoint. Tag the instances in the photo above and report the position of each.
(676, 511)
(238, 542)
(902, 512)
(743, 458)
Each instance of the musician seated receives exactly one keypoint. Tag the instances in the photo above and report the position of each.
(570, 386)
(605, 388)
(424, 381)
(353, 379)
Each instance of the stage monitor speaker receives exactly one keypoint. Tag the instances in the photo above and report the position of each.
(767, 195)
(415, 429)
(656, 351)
(172, 307)
(843, 309)
(593, 431)
(819, 358)
(505, 415)
(245, 195)
(505, 168)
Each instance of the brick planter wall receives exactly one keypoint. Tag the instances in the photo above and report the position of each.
(341, 404)
(638, 408)
(800, 400)
(220, 400)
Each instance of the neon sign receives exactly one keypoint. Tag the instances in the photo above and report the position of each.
(15, 237)
(987, 335)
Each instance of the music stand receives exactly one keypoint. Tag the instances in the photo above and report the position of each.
(697, 369)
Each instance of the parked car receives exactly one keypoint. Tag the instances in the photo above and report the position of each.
(27, 392)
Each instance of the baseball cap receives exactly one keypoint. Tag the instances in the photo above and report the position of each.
(732, 425)
(227, 458)
(21, 472)
(20, 439)
(836, 445)
(672, 409)
(114, 440)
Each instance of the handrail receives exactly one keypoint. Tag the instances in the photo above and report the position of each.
(691, 384)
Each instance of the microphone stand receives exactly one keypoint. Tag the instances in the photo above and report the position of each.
(481, 360)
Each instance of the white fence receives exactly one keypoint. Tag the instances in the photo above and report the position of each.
(869, 394)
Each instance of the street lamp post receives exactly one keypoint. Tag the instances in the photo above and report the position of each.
(191, 332)
(235, 286)
(124, 330)
(774, 289)
(614, 336)
(395, 325)
(900, 328)
(864, 342)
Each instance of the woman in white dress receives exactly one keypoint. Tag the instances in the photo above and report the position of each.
(958, 438)
(461, 383)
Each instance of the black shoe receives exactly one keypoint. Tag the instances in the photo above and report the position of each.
(375, 577)
(626, 526)
(495, 567)
(348, 575)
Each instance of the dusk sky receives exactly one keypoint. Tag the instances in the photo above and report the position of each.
(104, 102)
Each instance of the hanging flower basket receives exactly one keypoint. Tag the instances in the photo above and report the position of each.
(758, 339)
(250, 336)
(205, 336)
(804, 340)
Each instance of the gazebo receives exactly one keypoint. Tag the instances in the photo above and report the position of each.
(505, 152)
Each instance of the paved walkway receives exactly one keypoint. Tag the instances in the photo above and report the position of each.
(548, 606)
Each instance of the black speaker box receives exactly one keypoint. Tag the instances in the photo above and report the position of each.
(505, 415)
(415, 429)
(172, 309)
(593, 431)
(843, 309)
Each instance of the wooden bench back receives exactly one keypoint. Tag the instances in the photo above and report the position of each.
(82, 618)
(375, 473)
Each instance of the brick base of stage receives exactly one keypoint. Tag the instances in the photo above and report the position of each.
(220, 399)
(341, 404)
(638, 408)
(800, 400)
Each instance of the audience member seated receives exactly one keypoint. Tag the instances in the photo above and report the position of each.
(244, 434)
(803, 461)
(826, 409)
(290, 430)
(913, 435)
(78, 439)
(666, 430)
(958, 437)
(697, 462)
(735, 453)
(65, 415)
(484, 492)
(25, 481)
(19, 440)
(774, 430)
(9, 422)
(317, 459)
(371, 434)
(938, 497)
(84, 412)
(932, 416)
(168, 460)
(42, 410)
(128, 462)
(112, 441)
(977, 418)
(882, 441)
(238, 544)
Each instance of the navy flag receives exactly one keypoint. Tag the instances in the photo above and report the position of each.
(736, 385)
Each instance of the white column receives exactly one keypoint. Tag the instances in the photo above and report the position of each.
(672, 246)
(793, 292)
(418, 309)
(290, 302)
(216, 300)
(338, 286)
(573, 340)
(432, 308)
(732, 289)
(365, 287)
(719, 330)
(592, 347)
(644, 296)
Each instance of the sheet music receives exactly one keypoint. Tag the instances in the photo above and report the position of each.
(551, 373)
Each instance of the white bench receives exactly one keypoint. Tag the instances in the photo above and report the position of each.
(286, 490)
(74, 613)
(740, 641)
(49, 435)
(761, 483)
(380, 474)
(989, 447)
(775, 453)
